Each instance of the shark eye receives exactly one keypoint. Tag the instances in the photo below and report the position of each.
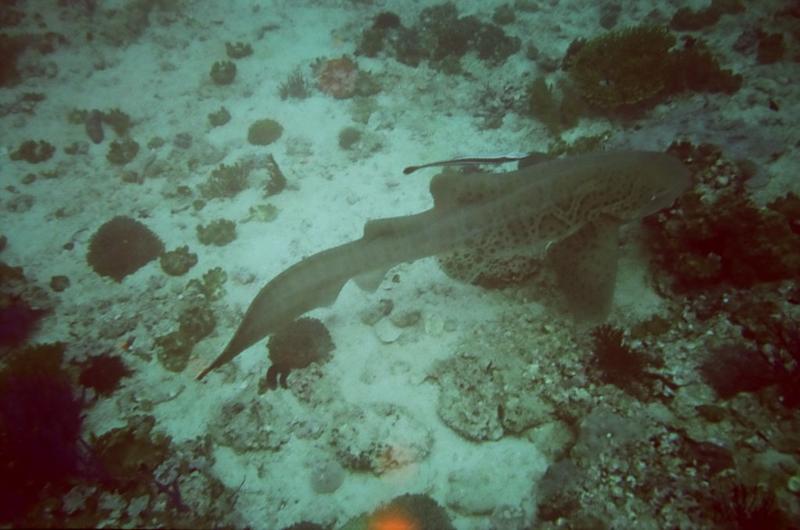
(658, 195)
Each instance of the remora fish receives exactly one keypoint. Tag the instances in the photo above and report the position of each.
(523, 159)
(571, 206)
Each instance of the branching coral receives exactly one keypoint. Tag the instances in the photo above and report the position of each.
(225, 181)
(295, 86)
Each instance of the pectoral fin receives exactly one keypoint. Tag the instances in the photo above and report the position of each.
(585, 264)
(327, 296)
(371, 280)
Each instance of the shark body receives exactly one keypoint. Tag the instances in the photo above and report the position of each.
(574, 205)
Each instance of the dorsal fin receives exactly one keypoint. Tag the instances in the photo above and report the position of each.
(392, 228)
(452, 189)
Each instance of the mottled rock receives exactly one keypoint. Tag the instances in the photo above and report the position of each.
(253, 426)
(493, 386)
(94, 126)
(379, 437)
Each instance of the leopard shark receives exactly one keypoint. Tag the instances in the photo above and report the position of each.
(568, 210)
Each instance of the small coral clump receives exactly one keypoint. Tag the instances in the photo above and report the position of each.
(225, 181)
(195, 322)
(262, 213)
(295, 87)
(348, 137)
(118, 120)
(238, 50)
(103, 374)
(33, 152)
(264, 132)
(219, 117)
(174, 350)
(219, 232)
(120, 152)
(338, 77)
(223, 72)
(121, 247)
(211, 286)
(178, 262)
(304, 341)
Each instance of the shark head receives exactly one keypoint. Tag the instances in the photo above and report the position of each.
(664, 179)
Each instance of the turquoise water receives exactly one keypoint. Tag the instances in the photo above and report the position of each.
(165, 160)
